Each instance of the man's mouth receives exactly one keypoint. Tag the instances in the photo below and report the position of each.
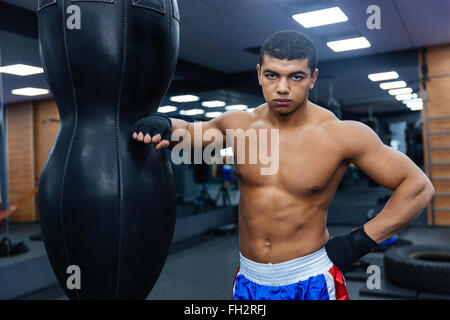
(281, 102)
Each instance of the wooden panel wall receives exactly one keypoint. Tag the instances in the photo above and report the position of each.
(20, 158)
(32, 128)
(46, 125)
(437, 137)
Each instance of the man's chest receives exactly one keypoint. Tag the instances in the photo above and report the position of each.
(297, 161)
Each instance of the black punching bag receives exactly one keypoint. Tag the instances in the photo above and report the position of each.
(107, 202)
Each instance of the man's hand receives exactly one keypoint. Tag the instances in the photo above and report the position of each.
(155, 129)
(345, 249)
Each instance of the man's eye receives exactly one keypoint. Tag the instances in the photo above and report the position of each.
(271, 76)
(297, 78)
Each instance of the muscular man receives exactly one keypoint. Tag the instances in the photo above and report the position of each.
(285, 250)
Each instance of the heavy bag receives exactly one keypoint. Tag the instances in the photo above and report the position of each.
(107, 202)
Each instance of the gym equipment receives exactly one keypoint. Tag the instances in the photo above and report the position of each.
(223, 191)
(7, 248)
(203, 200)
(107, 203)
(420, 267)
(332, 103)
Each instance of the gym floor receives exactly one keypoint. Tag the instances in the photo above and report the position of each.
(203, 268)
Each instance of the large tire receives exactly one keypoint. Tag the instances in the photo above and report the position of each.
(419, 267)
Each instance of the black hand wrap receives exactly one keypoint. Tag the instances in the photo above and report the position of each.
(154, 124)
(343, 250)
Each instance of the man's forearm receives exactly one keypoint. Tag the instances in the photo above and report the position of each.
(405, 204)
(195, 134)
(179, 124)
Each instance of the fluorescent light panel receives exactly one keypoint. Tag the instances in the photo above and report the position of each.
(406, 101)
(237, 107)
(395, 92)
(415, 107)
(213, 104)
(184, 98)
(29, 92)
(349, 44)
(213, 114)
(21, 70)
(392, 85)
(320, 17)
(383, 76)
(401, 97)
(192, 112)
(416, 103)
(167, 109)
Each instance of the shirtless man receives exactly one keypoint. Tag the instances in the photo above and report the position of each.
(285, 250)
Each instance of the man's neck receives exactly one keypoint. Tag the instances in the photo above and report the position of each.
(296, 118)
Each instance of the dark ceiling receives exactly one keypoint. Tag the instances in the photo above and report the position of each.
(215, 62)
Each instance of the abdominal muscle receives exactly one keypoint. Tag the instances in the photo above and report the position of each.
(276, 227)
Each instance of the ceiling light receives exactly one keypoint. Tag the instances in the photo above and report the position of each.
(320, 17)
(414, 104)
(396, 92)
(184, 98)
(213, 104)
(192, 112)
(21, 70)
(383, 76)
(406, 101)
(401, 97)
(29, 92)
(213, 114)
(349, 44)
(416, 108)
(167, 109)
(237, 107)
(392, 85)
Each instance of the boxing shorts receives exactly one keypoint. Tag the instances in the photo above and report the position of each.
(311, 277)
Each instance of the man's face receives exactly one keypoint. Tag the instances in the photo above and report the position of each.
(285, 83)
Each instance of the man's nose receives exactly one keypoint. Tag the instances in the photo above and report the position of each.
(283, 87)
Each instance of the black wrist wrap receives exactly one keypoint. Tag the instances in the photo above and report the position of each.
(343, 250)
(153, 125)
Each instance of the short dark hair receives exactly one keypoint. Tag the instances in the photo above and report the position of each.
(290, 45)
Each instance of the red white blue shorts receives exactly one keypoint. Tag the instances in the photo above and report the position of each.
(311, 277)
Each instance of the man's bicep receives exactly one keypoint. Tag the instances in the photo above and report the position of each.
(383, 164)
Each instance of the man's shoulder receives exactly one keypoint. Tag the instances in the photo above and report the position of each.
(352, 137)
(348, 128)
(324, 118)
(242, 115)
(332, 124)
(235, 119)
(344, 132)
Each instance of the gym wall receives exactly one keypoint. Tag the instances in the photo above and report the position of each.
(436, 130)
(32, 128)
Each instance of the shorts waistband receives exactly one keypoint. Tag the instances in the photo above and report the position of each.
(287, 272)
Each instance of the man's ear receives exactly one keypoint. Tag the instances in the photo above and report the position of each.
(258, 71)
(314, 76)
